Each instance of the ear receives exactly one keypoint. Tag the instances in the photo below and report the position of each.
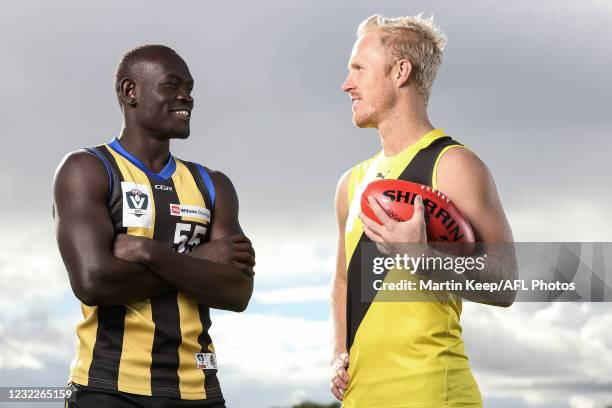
(127, 92)
(402, 71)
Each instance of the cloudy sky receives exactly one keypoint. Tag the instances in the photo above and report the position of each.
(526, 86)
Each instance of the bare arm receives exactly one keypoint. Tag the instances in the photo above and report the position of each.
(339, 378)
(85, 237)
(218, 274)
(464, 178)
(339, 283)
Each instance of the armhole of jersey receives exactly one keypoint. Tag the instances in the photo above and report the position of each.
(107, 165)
(351, 186)
(434, 173)
(208, 183)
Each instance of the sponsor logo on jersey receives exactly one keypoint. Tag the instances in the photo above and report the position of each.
(163, 187)
(193, 211)
(206, 360)
(137, 210)
(381, 175)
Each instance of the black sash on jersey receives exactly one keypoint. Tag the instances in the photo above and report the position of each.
(419, 170)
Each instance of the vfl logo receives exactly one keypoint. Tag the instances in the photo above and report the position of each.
(137, 201)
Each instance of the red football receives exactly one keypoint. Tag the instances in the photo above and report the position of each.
(445, 223)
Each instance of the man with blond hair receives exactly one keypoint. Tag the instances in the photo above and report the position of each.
(404, 354)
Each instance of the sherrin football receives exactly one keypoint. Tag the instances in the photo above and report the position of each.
(445, 223)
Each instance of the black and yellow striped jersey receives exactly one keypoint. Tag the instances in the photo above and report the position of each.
(160, 346)
(402, 354)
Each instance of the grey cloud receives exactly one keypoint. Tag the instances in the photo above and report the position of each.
(541, 349)
(520, 84)
(525, 85)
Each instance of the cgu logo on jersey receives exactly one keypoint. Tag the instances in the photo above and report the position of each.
(137, 206)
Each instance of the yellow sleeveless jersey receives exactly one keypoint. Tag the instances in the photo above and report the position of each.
(160, 346)
(402, 354)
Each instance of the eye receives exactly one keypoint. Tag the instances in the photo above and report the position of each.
(171, 84)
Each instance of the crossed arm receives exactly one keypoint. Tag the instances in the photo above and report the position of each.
(105, 269)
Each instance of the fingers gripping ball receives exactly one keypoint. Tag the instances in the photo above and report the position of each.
(445, 222)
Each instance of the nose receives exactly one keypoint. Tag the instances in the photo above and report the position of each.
(185, 96)
(348, 85)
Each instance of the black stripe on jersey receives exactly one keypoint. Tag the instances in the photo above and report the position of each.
(195, 173)
(104, 368)
(199, 182)
(211, 382)
(115, 205)
(356, 309)
(419, 170)
(165, 310)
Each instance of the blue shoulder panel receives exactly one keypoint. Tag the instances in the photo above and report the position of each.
(208, 182)
(166, 172)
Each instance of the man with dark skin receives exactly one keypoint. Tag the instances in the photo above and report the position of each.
(115, 273)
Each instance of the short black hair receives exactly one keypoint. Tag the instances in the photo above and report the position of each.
(132, 60)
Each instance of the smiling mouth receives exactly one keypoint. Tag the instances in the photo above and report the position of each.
(183, 113)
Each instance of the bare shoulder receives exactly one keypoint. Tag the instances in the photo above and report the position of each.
(226, 206)
(82, 171)
(342, 204)
(80, 160)
(219, 177)
(465, 178)
(461, 170)
(342, 186)
(462, 163)
(224, 187)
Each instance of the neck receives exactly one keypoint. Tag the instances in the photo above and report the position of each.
(151, 151)
(403, 127)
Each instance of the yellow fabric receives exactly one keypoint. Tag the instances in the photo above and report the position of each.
(86, 338)
(135, 364)
(191, 381)
(139, 326)
(404, 354)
